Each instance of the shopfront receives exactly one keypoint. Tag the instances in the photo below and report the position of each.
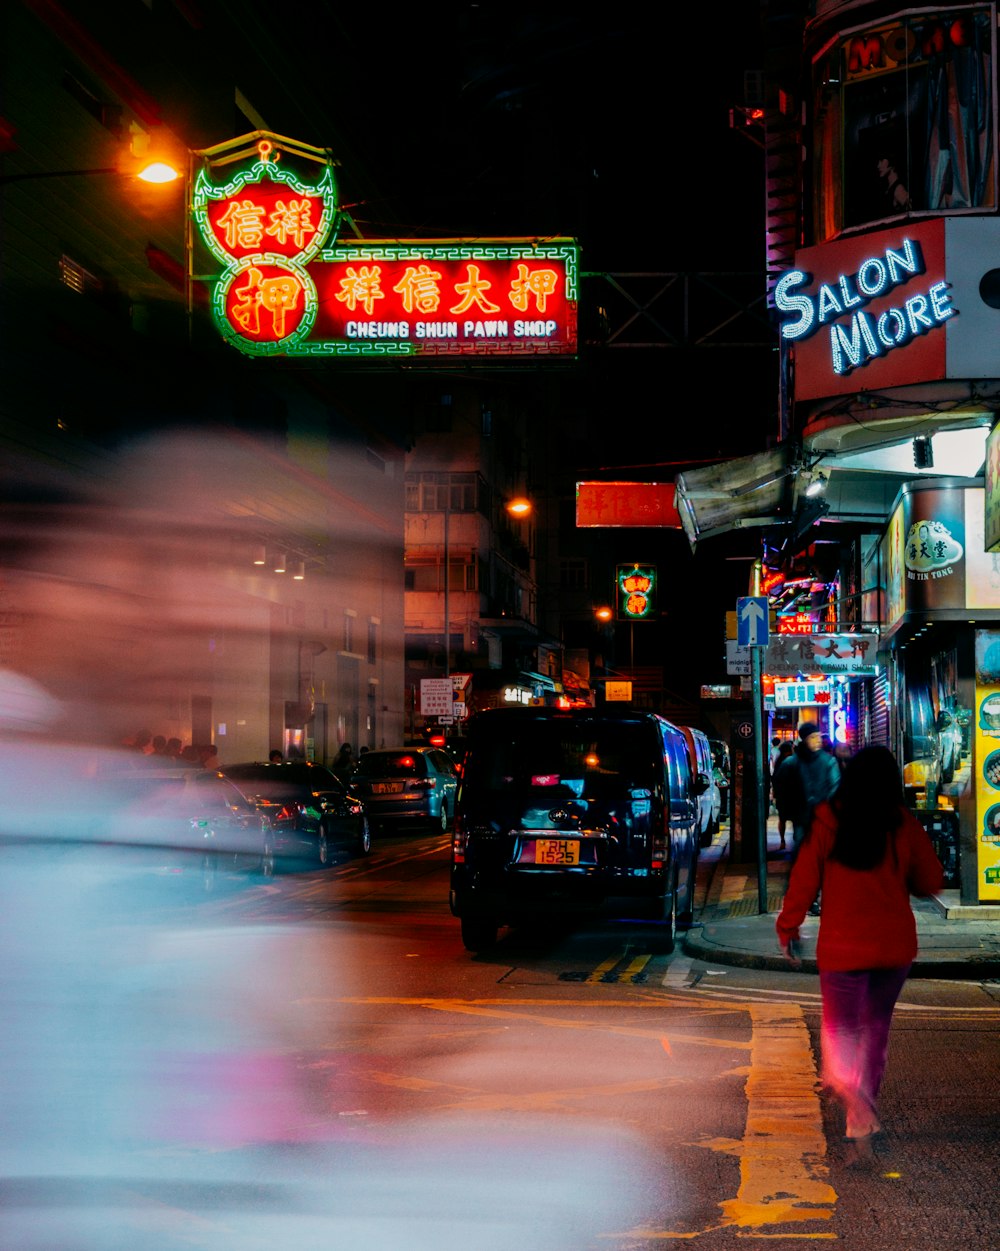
(938, 602)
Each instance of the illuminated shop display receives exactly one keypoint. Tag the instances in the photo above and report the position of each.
(636, 592)
(987, 763)
(796, 623)
(281, 291)
(801, 694)
(933, 554)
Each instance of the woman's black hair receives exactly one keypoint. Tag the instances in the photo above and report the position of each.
(868, 805)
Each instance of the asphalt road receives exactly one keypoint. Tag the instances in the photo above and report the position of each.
(315, 1062)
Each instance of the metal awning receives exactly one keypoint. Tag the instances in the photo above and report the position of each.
(748, 491)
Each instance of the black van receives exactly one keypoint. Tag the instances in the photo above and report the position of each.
(573, 809)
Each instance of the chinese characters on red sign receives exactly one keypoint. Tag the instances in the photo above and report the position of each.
(282, 291)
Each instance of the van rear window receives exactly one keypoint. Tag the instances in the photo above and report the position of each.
(581, 759)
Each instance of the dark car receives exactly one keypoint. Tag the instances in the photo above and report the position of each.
(572, 810)
(305, 802)
(407, 786)
(184, 821)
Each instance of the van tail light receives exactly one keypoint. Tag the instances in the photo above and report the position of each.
(658, 850)
(459, 838)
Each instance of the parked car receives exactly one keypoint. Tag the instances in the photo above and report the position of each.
(407, 786)
(185, 821)
(563, 810)
(703, 768)
(308, 807)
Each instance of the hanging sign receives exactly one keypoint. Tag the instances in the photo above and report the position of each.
(282, 292)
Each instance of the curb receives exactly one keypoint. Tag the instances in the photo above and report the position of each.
(968, 970)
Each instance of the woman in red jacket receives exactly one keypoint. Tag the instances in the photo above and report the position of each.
(869, 854)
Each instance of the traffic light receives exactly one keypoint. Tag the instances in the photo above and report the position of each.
(636, 592)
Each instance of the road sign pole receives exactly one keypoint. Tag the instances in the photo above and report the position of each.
(762, 789)
(757, 695)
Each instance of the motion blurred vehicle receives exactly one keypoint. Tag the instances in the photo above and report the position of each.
(306, 805)
(407, 786)
(563, 811)
(184, 821)
(703, 768)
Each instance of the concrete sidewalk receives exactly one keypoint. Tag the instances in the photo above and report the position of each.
(953, 941)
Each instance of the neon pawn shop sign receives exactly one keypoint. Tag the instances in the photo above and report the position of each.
(283, 292)
(858, 336)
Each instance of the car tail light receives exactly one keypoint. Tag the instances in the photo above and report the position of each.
(424, 784)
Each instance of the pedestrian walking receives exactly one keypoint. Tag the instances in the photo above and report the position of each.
(784, 751)
(804, 780)
(870, 854)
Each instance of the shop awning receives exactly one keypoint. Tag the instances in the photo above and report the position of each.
(748, 491)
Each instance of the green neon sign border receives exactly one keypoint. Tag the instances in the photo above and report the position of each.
(205, 192)
(293, 345)
(251, 346)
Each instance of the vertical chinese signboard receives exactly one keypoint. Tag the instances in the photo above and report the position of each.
(282, 291)
(636, 592)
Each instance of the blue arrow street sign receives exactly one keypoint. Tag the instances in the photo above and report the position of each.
(752, 621)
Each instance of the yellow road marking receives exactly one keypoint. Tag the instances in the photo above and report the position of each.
(637, 965)
(782, 1152)
(604, 967)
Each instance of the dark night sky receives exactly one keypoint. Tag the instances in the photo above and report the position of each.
(608, 124)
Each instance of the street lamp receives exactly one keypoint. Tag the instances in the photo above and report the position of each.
(153, 172)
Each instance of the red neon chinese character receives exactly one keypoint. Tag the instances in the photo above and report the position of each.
(419, 288)
(473, 293)
(540, 283)
(278, 295)
(244, 223)
(291, 220)
(361, 288)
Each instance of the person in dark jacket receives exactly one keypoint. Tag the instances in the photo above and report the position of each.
(806, 779)
(870, 854)
(784, 751)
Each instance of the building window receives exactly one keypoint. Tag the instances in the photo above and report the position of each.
(428, 575)
(348, 632)
(573, 575)
(372, 642)
(434, 492)
(109, 115)
(902, 120)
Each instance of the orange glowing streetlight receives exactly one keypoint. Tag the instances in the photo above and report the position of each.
(152, 172)
(519, 506)
(603, 614)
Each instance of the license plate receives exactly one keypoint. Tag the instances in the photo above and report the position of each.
(557, 851)
(386, 788)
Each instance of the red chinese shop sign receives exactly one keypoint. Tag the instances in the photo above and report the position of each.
(282, 292)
